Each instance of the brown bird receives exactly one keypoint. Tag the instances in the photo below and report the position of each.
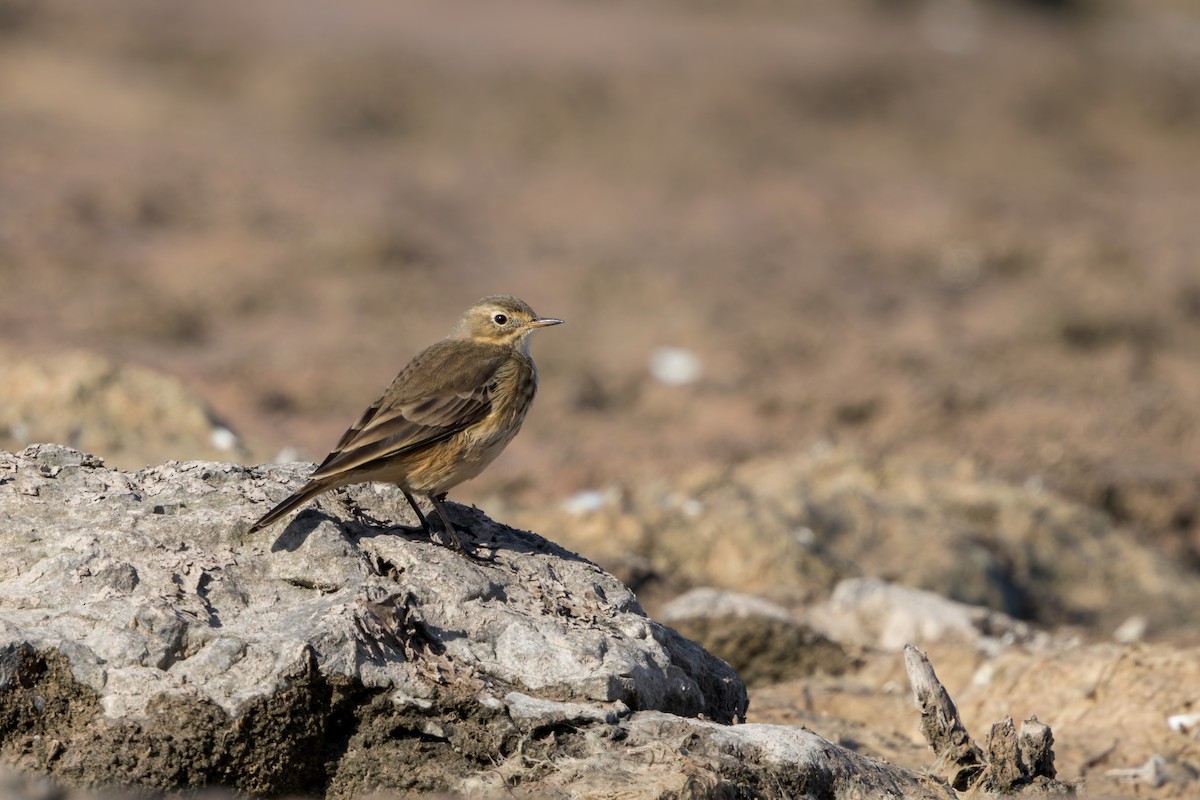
(444, 418)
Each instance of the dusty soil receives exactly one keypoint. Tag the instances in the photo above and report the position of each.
(957, 233)
(966, 232)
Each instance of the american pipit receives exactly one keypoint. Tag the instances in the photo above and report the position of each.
(444, 418)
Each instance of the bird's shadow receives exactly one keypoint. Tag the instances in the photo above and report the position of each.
(358, 527)
(481, 532)
(299, 529)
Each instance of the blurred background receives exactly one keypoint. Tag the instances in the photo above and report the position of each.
(945, 229)
(861, 282)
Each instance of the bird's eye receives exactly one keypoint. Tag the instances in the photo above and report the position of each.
(500, 319)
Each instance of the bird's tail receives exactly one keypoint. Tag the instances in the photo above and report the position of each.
(298, 498)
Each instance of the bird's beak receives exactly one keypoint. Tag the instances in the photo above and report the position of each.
(545, 322)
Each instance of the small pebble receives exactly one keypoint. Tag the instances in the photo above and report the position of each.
(675, 366)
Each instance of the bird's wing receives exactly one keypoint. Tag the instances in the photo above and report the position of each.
(420, 408)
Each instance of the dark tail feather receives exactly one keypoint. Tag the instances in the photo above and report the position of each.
(298, 499)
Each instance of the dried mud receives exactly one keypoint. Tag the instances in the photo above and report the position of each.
(51, 724)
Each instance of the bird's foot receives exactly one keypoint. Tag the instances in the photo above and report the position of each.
(439, 536)
(449, 531)
(454, 540)
(449, 539)
(452, 537)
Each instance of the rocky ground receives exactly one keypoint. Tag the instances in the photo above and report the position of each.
(929, 268)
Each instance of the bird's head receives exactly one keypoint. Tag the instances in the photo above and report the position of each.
(501, 319)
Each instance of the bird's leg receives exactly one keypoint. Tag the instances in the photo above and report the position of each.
(424, 522)
(451, 533)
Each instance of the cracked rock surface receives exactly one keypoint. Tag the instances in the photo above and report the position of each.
(146, 640)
